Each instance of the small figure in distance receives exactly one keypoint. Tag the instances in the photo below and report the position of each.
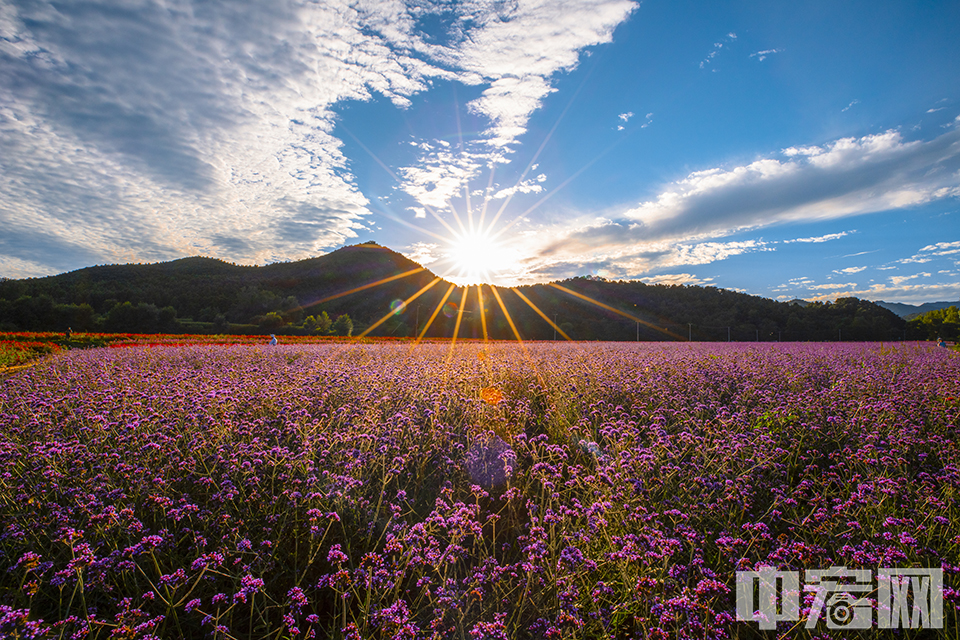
(69, 332)
(273, 340)
(941, 343)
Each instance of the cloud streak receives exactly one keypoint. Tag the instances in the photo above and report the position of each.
(848, 177)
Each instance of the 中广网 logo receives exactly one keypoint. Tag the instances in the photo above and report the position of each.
(905, 598)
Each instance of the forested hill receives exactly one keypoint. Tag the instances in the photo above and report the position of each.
(329, 294)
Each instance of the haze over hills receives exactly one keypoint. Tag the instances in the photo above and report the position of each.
(908, 311)
(373, 285)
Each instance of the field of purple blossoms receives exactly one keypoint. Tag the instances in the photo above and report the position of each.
(492, 492)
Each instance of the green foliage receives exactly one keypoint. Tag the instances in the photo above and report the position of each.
(271, 321)
(343, 325)
(939, 323)
(229, 298)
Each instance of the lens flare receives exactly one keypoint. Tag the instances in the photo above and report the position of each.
(491, 395)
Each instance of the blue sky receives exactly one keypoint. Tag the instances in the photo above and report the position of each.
(790, 150)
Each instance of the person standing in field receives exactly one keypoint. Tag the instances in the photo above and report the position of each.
(273, 340)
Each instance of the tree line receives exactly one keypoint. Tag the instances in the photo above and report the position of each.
(351, 289)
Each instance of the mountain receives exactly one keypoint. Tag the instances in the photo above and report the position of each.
(369, 283)
(908, 311)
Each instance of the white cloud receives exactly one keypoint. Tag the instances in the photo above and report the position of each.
(517, 53)
(677, 279)
(707, 252)
(847, 108)
(762, 55)
(906, 293)
(932, 252)
(534, 185)
(423, 253)
(899, 280)
(850, 270)
(851, 176)
(627, 262)
(832, 285)
(170, 129)
(817, 239)
(717, 46)
(626, 116)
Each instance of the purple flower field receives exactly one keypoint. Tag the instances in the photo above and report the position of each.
(496, 491)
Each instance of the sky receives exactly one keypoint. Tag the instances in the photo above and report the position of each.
(788, 150)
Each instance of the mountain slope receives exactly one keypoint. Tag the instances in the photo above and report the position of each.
(367, 281)
(909, 310)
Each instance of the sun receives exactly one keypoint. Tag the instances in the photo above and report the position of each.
(475, 257)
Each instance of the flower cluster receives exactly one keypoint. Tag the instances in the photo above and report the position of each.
(477, 491)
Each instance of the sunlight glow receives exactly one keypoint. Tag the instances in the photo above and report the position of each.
(475, 257)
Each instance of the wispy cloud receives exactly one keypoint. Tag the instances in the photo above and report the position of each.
(850, 270)
(762, 55)
(629, 262)
(625, 117)
(818, 239)
(900, 290)
(677, 279)
(534, 185)
(717, 47)
(932, 252)
(847, 108)
(831, 285)
(423, 253)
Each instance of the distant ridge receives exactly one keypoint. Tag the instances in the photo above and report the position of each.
(388, 294)
(907, 311)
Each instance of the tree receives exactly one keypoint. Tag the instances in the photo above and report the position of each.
(343, 325)
(318, 324)
(272, 320)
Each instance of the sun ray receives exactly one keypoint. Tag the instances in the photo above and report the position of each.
(405, 302)
(483, 315)
(398, 220)
(543, 145)
(486, 196)
(513, 327)
(552, 192)
(540, 313)
(456, 326)
(613, 309)
(435, 313)
(466, 187)
(405, 274)
(394, 175)
(523, 346)
(456, 216)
